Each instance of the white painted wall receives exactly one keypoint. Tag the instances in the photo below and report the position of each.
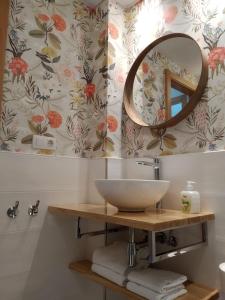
(35, 252)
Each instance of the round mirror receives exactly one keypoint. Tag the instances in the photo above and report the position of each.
(166, 81)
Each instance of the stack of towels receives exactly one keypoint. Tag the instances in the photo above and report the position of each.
(111, 262)
(156, 284)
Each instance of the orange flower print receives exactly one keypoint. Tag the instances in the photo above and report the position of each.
(43, 18)
(101, 126)
(216, 57)
(55, 119)
(170, 14)
(59, 22)
(90, 89)
(67, 73)
(145, 68)
(18, 66)
(38, 119)
(112, 123)
(113, 31)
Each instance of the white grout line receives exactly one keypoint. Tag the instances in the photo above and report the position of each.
(15, 274)
(28, 231)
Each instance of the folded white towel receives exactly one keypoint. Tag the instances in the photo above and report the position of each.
(151, 295)
(157, 280)
(142, 258)
(113, 257)
(109, 274)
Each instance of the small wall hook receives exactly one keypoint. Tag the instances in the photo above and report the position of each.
(12, 211)
(33, 209)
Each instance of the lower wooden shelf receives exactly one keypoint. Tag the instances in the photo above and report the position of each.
(195, 291)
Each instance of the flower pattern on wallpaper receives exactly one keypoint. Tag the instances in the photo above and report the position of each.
(56, 77)
(204, 129)
(66, 67)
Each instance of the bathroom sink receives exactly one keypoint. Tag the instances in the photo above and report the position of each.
(132, 194)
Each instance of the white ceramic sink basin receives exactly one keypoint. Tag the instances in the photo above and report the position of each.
(132, 194)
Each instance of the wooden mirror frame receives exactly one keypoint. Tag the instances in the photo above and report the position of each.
(194, 99)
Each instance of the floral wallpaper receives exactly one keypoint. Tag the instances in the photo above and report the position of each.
(142, 23)
(66, 67)
(56, 77)
(149, 84)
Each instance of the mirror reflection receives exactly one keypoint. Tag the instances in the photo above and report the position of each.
(166, 79)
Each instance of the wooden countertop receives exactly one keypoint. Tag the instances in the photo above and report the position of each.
(195, 291)
(151, 220)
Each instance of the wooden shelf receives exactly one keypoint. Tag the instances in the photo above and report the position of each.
(154, 220)
(84, 268)
(195, 291)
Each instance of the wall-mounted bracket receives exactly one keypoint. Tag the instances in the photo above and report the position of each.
(132, 245)
(79, 234)
(154, 257)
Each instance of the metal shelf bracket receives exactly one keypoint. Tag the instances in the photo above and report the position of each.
(154, 257)
(79, 234)
(132, 249)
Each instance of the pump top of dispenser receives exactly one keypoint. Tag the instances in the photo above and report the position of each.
(189, 186)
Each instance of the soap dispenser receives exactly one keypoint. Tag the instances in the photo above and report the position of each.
(190, 199)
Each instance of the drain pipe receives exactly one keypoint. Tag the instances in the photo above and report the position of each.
(131, 248)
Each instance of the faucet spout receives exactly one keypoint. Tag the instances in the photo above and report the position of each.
(155, 164)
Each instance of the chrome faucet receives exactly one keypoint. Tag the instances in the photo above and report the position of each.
(155, 164)
(131, 244)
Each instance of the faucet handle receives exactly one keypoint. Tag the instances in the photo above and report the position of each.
(155, 163)
(33, 209)
(12, 211)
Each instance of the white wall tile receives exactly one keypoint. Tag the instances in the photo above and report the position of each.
(48, 240)
(24, 222)
(41, 247)
(96, 170)
(16, 252)
(37, 172)
(11, 287)
(128, 168)
(208, 170)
